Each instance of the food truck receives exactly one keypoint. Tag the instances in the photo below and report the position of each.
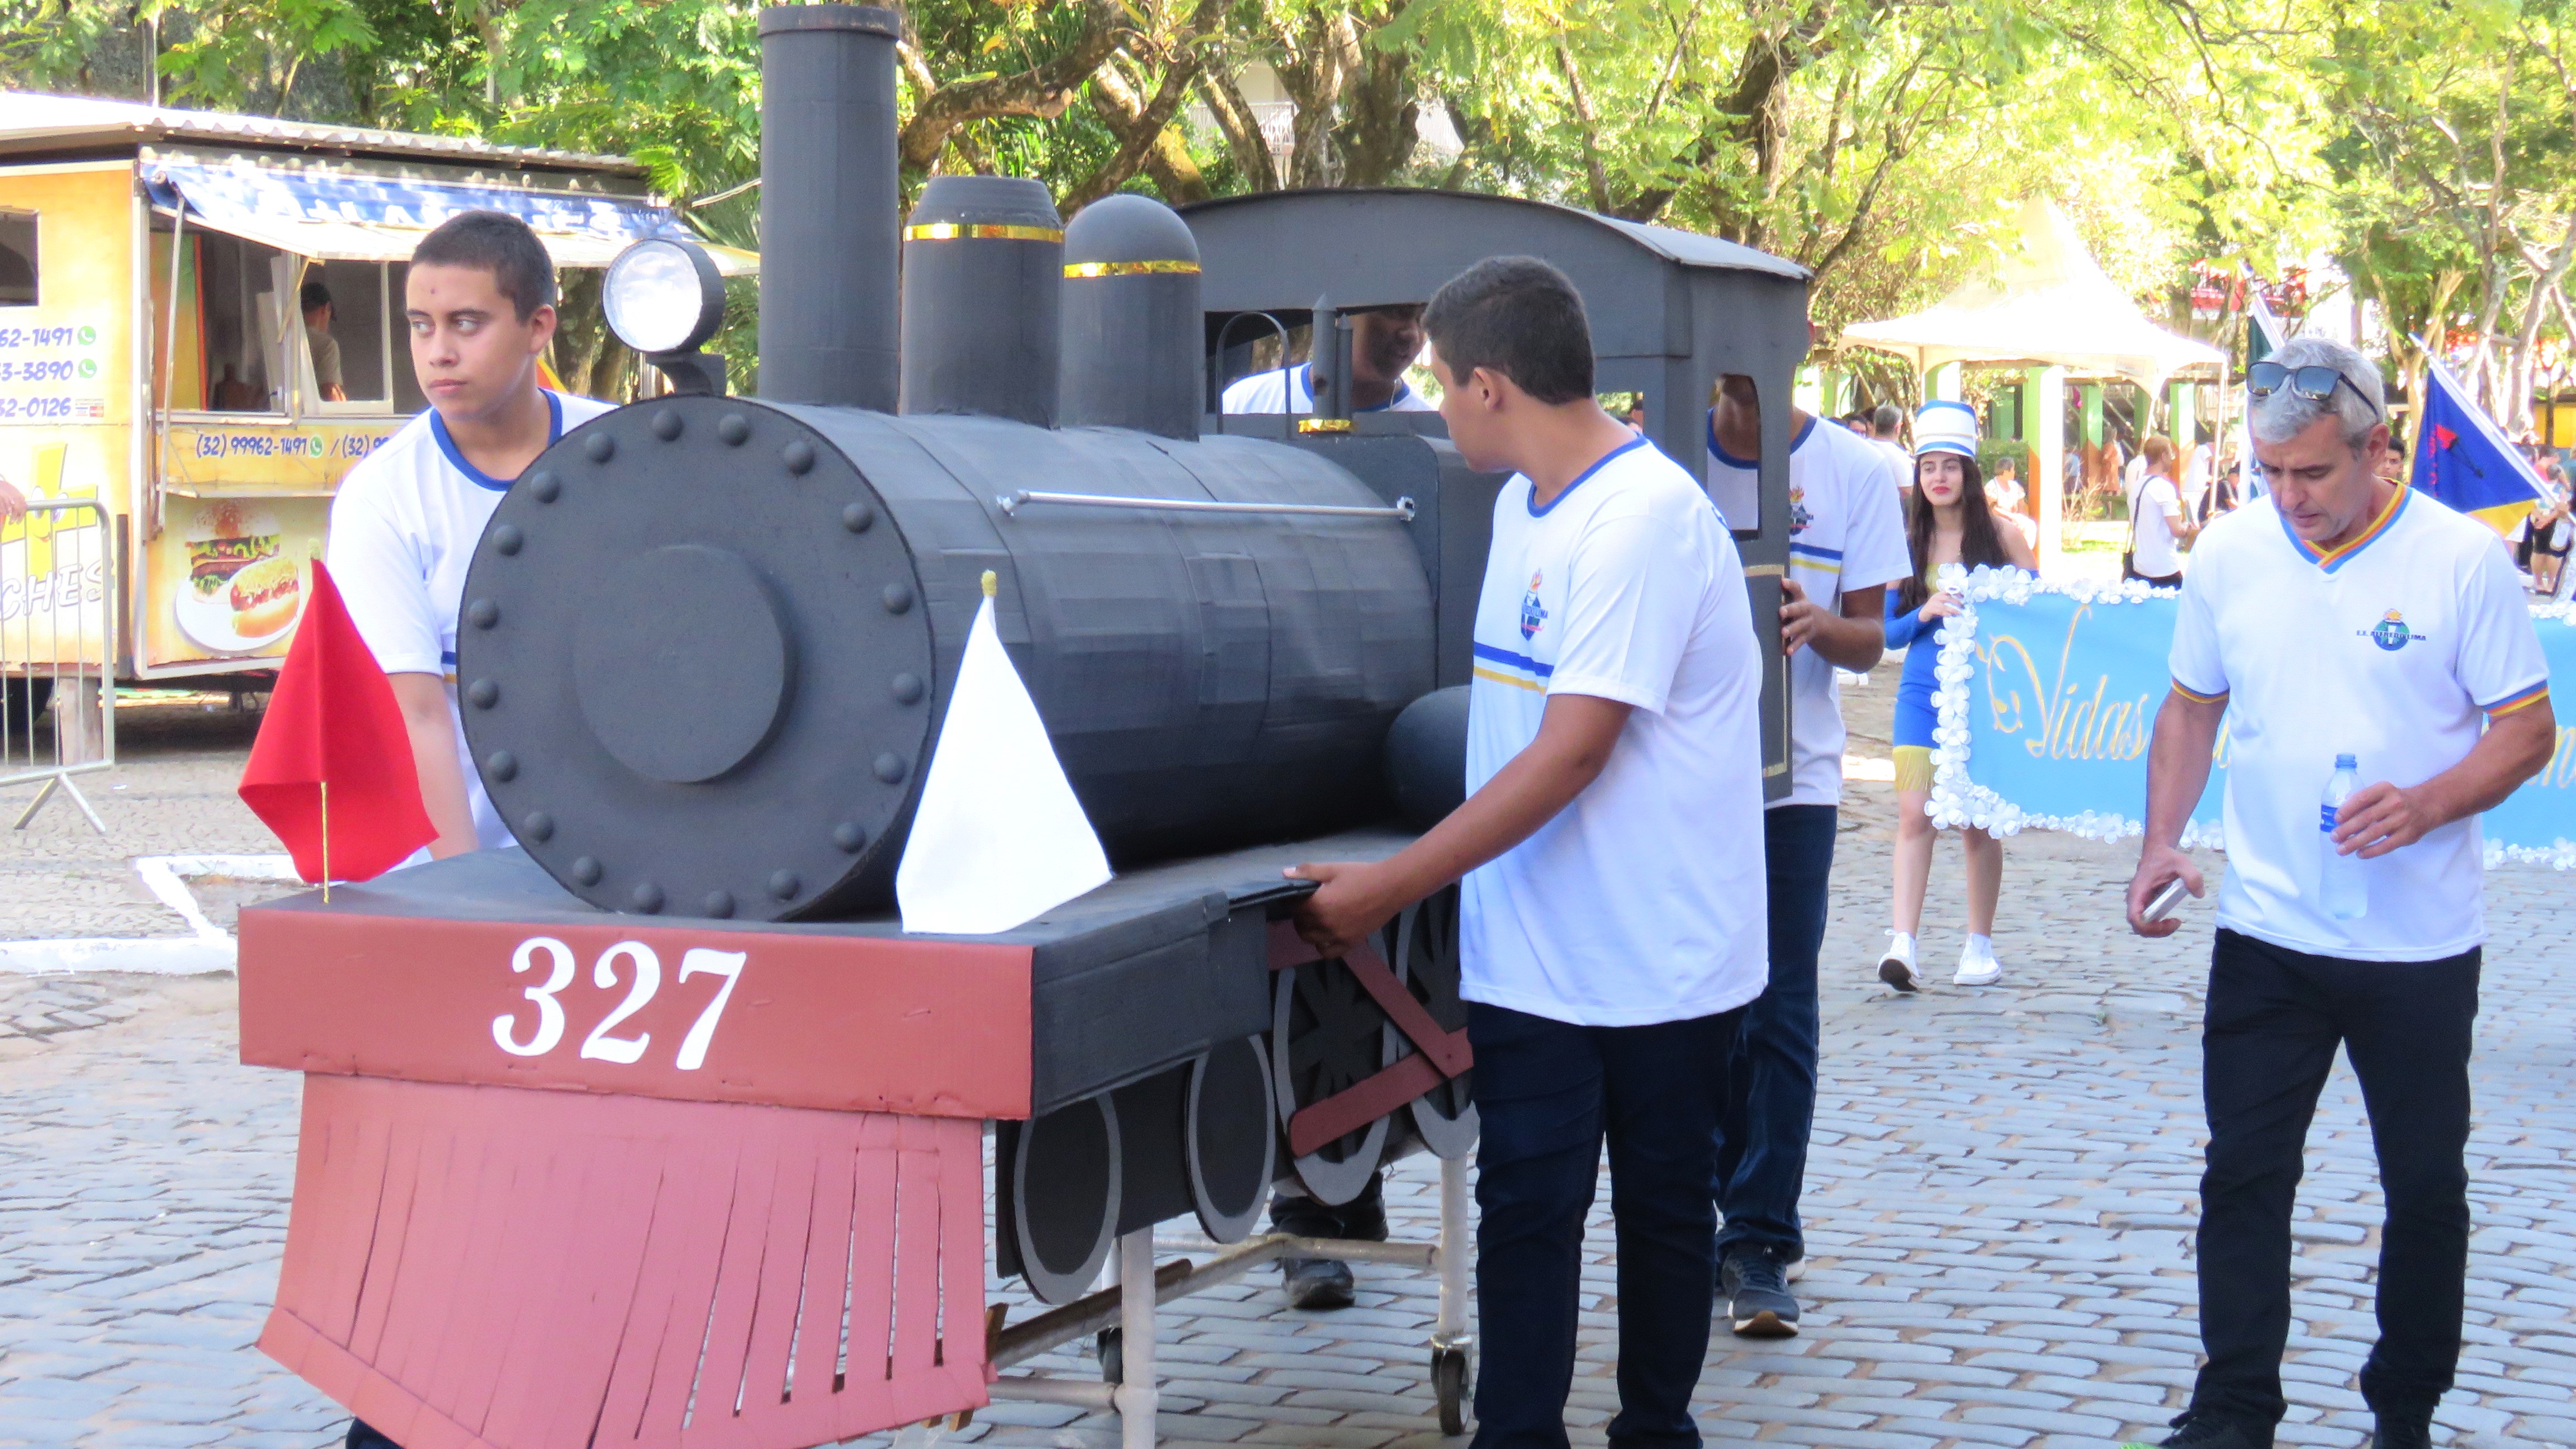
(155, 355)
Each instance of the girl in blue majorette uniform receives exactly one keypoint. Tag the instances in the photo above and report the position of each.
(1948, 520)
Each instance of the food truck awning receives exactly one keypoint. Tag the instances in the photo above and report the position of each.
(346, 214)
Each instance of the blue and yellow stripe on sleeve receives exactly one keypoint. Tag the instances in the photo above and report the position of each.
(1502, 666)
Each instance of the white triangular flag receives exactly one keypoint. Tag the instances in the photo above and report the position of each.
(998, 838)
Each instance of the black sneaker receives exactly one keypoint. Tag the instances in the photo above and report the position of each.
(1322, 1283)
(1317, 1283)
(2198, 1431)
(2402, 1430)
(1756, 1288)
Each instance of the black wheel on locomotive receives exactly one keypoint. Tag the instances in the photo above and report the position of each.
(1426, 961)
(1325, 1035)
(1231, 1151)
(1065, 1193)
(1449, 1386)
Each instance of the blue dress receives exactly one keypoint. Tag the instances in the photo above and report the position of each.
(1915, 714)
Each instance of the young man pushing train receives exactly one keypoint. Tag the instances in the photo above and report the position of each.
(1613, 926)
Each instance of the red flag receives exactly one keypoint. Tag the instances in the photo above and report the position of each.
(331, 771)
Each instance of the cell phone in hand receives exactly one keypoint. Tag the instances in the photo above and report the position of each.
(2167, 901)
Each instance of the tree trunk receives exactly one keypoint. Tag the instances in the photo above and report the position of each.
(1042, 91)
(1383, 124)
(1313, 59)
(1145, 137)
(585, 354)
(1242, 129)
(2548, 272)
(1593, 174)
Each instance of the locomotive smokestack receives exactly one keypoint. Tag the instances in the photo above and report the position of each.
(983, 272)
(1132, 327)
(828, 205)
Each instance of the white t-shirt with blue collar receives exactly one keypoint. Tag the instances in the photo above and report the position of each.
(1292, 390)
(1846, 531)
(403, 529)
(2396, 648)
(1642, 901)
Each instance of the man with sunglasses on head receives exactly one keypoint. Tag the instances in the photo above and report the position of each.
(2352, 636)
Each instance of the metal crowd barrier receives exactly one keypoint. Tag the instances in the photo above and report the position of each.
(57, 651)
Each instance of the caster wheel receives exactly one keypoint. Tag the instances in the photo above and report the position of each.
(1449, 1386)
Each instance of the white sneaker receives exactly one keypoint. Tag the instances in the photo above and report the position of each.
(1977, 968)
(1896, 968)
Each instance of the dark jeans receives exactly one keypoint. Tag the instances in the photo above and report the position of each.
(1770, 1105)
(2275, 1018)
(1547, 1093)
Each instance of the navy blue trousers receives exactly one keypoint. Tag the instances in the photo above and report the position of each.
(1547, 1095)
(2274, 1020)
(1770, 1105)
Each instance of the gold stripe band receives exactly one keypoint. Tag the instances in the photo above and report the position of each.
(1131, 269)
(954, 231)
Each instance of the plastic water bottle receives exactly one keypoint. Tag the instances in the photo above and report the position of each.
(2345, 892)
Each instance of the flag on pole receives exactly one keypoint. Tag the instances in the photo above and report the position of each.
(2264, 335)
(2463, 459)
(998, 838)
(331, 772)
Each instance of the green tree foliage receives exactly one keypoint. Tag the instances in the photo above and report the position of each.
(1882, 143)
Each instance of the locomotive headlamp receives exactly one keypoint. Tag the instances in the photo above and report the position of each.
(663, 295)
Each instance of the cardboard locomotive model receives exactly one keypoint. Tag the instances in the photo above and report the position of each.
(660, 1129)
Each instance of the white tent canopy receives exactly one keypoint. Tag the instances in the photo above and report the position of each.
(2049, 306)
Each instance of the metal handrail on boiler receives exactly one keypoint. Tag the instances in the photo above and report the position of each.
(1011, 503)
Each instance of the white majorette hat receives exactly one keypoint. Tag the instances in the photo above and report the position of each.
(1943, 426)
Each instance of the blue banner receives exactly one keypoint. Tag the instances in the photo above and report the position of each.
(2048, 696)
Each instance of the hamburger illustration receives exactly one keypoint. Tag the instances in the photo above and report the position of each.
(265, 596)
(224, 539)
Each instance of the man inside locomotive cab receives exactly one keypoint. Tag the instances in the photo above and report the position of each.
(1611, 925)
(1384, 342)
(1846, 544)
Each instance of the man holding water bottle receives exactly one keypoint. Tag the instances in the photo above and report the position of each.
(2382, 684)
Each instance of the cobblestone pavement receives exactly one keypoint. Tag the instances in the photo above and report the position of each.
(2000, 1201)
(170, 794)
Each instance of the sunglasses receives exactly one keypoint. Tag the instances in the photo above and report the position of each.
(2316, 383)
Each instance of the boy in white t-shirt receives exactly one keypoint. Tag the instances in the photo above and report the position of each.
(1846, 544)
(2338, 622)
(480, 303)
(1613, 926)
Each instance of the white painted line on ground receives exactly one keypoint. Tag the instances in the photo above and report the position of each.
(166, 876)
(208, 951)
(156, 956)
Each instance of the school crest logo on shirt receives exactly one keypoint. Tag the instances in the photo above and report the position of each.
(1799, 514)
(2391, 633)
(1533, 617)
